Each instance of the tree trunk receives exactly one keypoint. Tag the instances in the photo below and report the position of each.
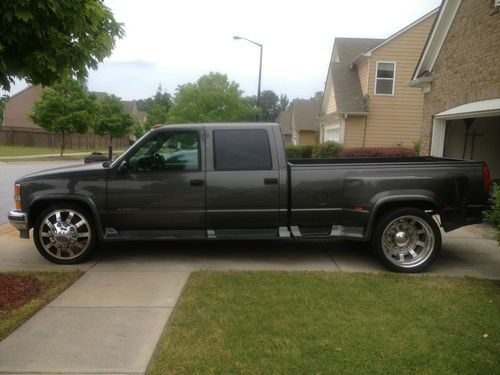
(62, 143)
(110, 148)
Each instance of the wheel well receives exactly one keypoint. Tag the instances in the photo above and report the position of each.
(390, 206)
(37, 207)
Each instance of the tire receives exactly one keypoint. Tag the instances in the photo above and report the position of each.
(64, 234)
(407, 240)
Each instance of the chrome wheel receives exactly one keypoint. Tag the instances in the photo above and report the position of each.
(408, 241)
(65, 234)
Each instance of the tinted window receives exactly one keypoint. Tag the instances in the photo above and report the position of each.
(242, 149)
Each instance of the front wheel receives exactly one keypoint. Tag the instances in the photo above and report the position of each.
(407, 240)
(64, 235)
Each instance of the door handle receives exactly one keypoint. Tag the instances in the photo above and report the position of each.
(197, 182)
(270, 181)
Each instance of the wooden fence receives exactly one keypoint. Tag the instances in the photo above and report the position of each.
(39, 138)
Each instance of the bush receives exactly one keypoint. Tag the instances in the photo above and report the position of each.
(367, 152)
(298, 152)
(326, 150)
(493, 214)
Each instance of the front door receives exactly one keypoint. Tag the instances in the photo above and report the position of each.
(163, 188)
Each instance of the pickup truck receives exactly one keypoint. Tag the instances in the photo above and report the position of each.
(214, 181)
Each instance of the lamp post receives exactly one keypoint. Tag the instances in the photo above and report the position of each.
(236, 37)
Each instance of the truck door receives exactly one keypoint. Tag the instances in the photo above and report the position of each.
(243, 182)
(163, 187)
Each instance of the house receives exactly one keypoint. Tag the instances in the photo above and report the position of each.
(284, 120)
(18, 129)
(366, 101)
(18, 107)
(459, 74)
(304, 122)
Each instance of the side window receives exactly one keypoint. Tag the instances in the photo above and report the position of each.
(384, 81)
(241, 149)
(176, 150)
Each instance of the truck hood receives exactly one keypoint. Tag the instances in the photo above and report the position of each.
(78, 169)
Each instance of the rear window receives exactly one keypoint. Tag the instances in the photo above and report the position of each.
(241, 149)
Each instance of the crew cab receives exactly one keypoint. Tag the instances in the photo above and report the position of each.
(212, 181)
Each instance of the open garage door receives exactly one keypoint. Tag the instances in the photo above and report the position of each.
(470, 131)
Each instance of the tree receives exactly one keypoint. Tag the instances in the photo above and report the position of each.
(157, 114)
(270, 104)
(3, 100)
(64, 108)
(41, 41)
(111, 119)
(211, 98)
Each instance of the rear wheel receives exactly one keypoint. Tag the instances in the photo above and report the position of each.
(64, 234)
(407, 240)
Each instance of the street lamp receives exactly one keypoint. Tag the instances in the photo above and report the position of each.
(236, 37)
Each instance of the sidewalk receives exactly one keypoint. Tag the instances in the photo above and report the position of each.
(110, 320)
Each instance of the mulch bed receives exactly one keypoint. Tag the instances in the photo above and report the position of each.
(17, 290)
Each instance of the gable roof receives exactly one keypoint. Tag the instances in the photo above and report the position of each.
(305, 114)
(347, 88)
(343, 73)
(436, 38)
(347, 49)
(398, 33)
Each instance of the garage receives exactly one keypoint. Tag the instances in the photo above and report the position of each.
(470, 131)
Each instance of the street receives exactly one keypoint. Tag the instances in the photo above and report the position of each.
(9, 172)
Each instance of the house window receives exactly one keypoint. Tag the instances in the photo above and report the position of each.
(384, 81)
(332, 134)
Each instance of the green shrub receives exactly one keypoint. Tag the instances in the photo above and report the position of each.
(371, 152)
(298, 152)
(327, 150)
(493, 214)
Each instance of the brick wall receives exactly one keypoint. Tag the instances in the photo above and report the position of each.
(468, 66)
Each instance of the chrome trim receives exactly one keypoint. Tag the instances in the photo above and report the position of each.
(18, 220)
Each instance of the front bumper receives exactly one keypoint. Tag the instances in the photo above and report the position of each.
(19, 220)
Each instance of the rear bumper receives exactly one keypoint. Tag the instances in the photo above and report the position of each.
(19, 220)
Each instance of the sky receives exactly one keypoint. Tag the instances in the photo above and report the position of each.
(175, 42)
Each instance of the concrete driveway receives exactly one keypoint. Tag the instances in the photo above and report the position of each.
(110, 320)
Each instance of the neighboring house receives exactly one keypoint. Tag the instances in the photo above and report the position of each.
(367, 102)
(129, 106)
(19, 130)
(304, 122)
(284, 120)
(459, 74)
(18, 107)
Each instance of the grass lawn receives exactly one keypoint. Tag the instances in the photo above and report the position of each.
(331, 323)
(24, 293)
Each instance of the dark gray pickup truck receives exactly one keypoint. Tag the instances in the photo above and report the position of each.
(216, 181)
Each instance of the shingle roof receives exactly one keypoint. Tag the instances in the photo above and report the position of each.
(350, 48)
(284, 119)
(348, 92)
(346, 84)
(305, 113)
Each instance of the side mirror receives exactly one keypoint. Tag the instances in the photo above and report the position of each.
(123, 168)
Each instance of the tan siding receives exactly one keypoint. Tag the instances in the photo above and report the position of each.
(354, 131)
(363, 74)
(332, 105)
(398, 117)
(307, 138)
